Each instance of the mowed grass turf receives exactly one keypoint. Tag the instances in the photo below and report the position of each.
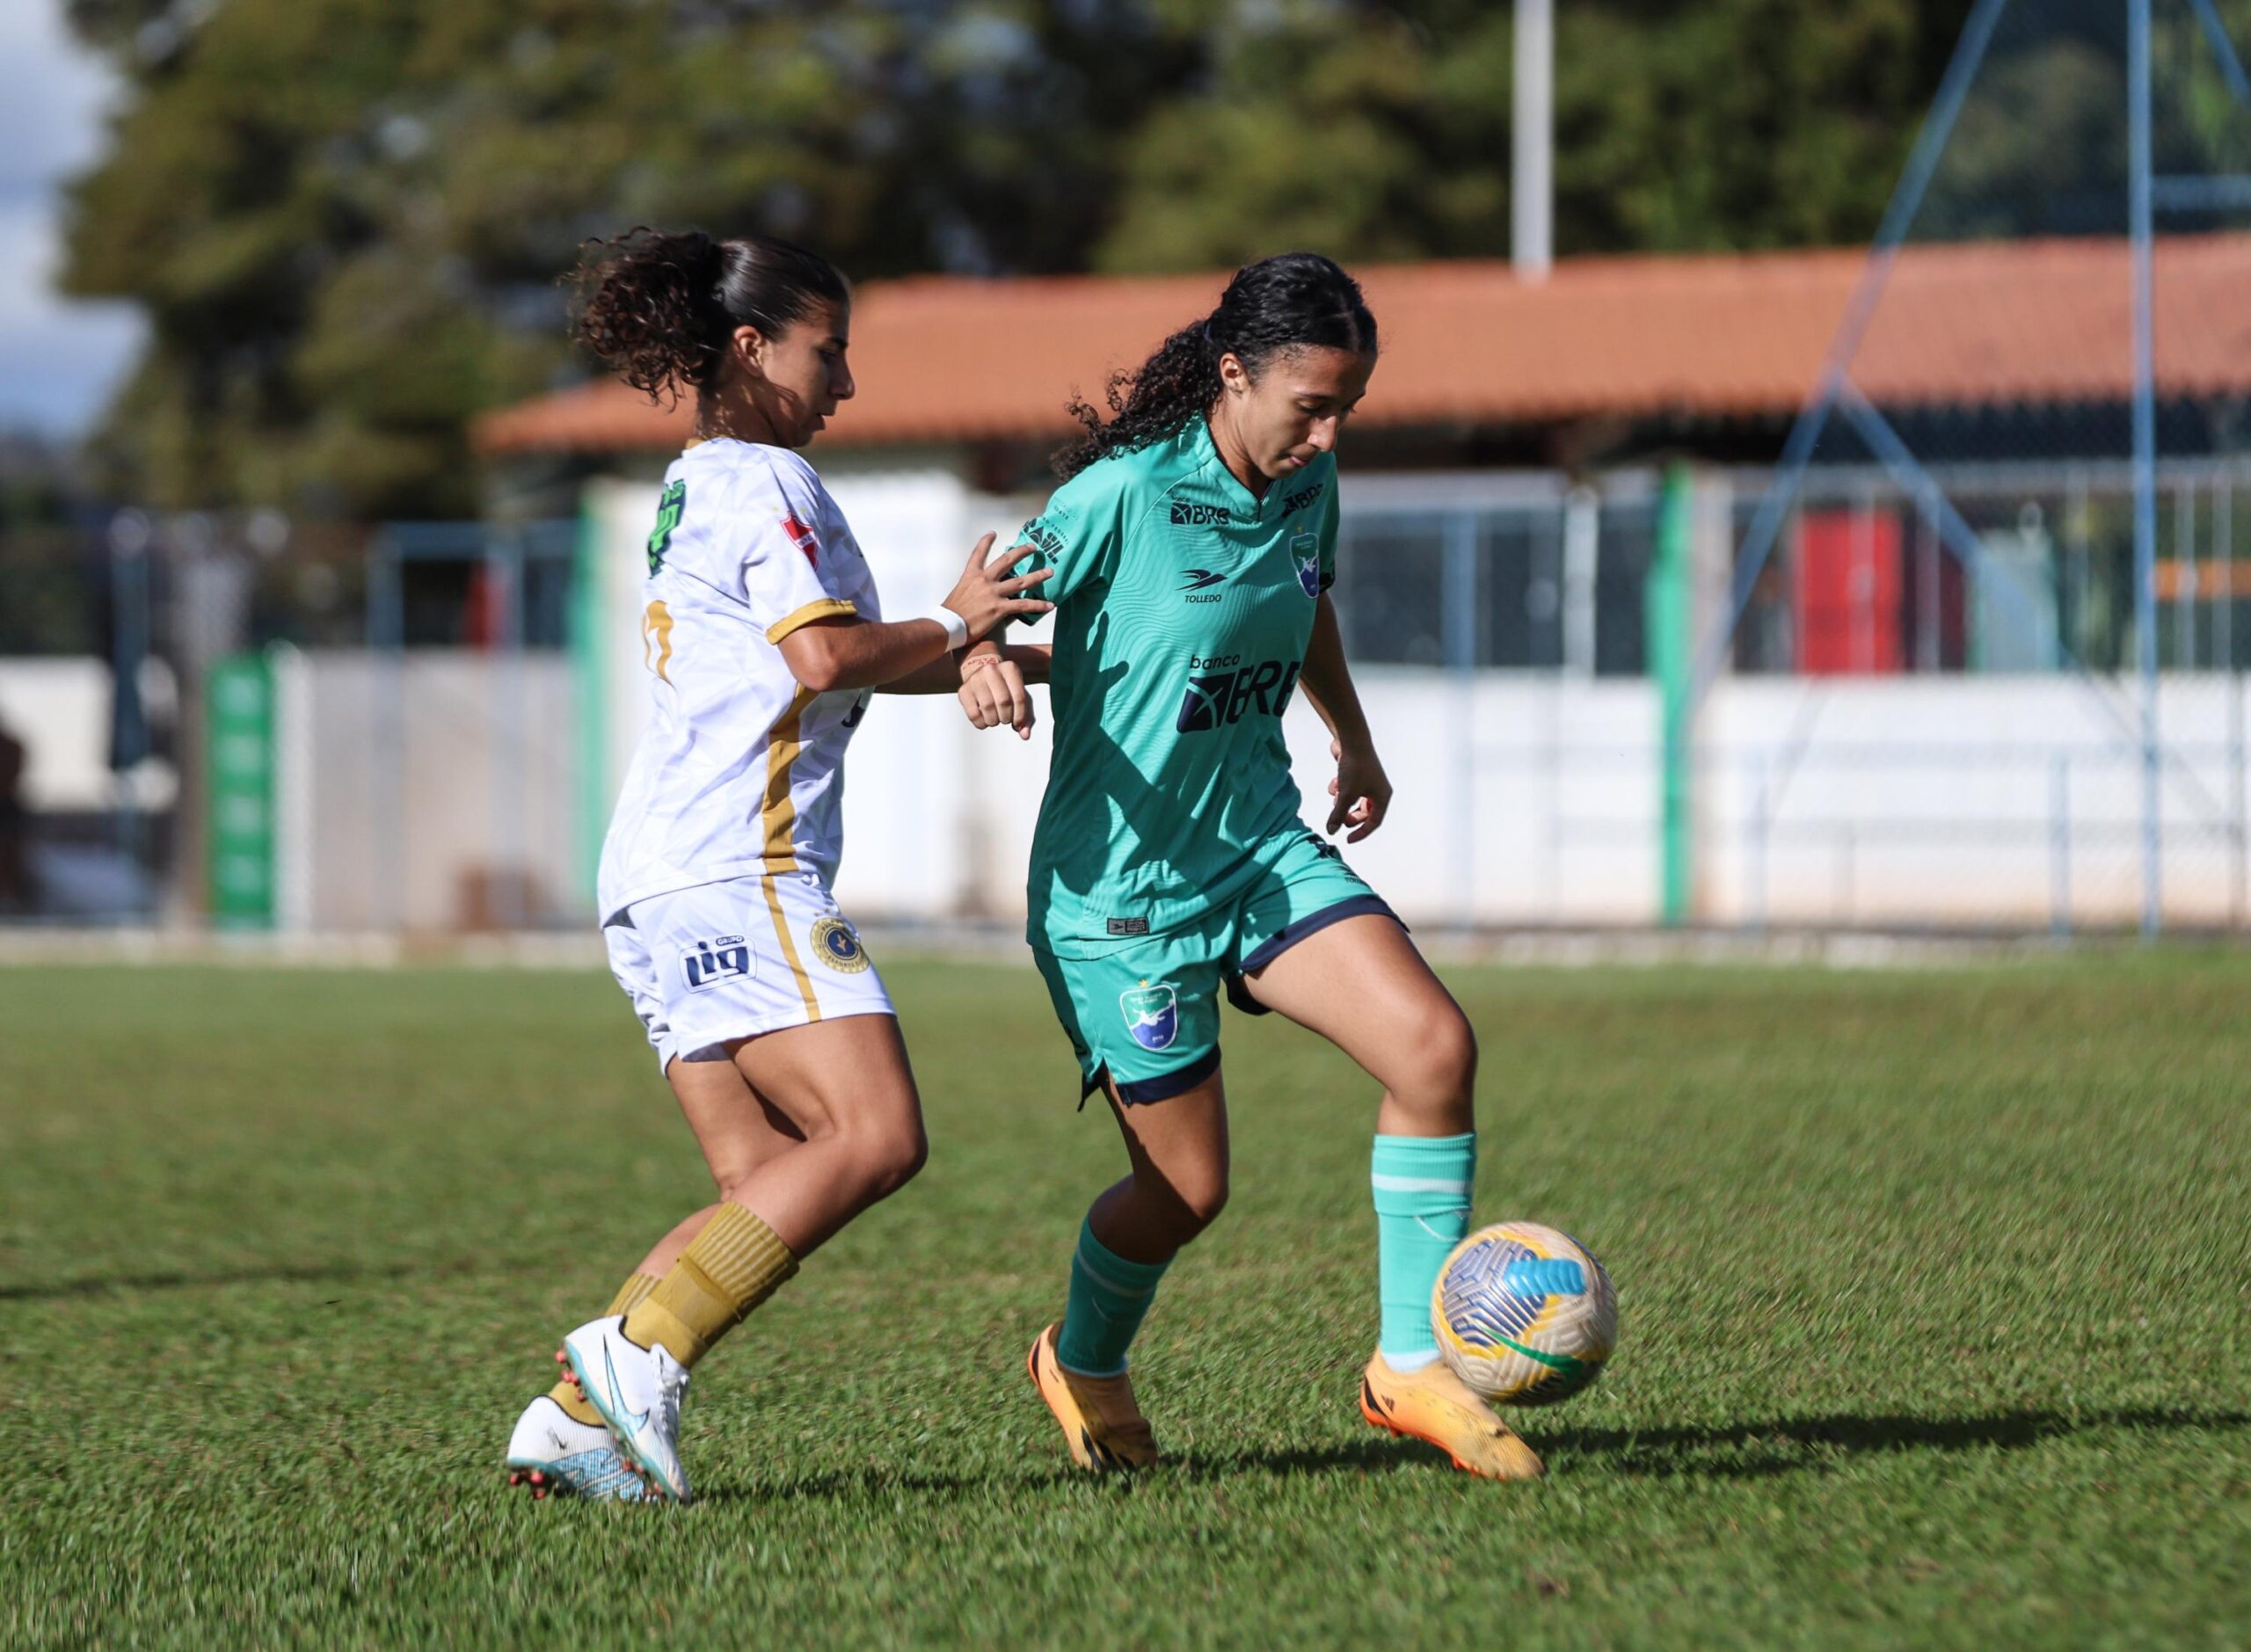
(1934, 1290)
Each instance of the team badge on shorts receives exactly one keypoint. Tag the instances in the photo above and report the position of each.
(1152, 1014)
(723, 957)
(1305, 550)
(835, 944)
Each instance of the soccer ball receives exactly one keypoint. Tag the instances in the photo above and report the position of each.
(1523, 1315)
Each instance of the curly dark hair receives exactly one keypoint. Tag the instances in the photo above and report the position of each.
(1272, 306)
(660, 307)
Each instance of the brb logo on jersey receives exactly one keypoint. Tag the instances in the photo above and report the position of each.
(723, 957)
(1187, 514)
(1221, 690)
(1305, 550)
(1152, 1014)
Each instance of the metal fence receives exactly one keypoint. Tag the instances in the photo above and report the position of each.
(1921, 725)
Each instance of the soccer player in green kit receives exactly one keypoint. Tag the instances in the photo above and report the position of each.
(1193, 543)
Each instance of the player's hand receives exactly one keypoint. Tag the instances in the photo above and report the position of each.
(985, 595)
(994, 695)
(1361, 790)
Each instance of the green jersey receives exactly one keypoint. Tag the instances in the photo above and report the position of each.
(1182, 609)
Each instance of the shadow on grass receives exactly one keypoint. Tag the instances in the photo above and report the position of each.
(107, 1284)
(1797, 1444)
(882, 1482)
(1735, 1450)
(390, 1273)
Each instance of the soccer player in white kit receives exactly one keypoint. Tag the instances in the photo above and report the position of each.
(763, 640)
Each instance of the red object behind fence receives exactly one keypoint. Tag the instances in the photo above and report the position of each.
(1849, 591)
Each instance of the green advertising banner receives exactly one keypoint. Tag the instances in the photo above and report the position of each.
(238, 789)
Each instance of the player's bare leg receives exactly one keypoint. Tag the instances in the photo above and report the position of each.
(559, 1443)
(1361, 984)
(844, 1087)
(1176, 1188)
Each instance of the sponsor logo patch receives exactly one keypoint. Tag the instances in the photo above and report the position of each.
(1221, 698)
(1129, 925)
(835, 944)
(723, 957)
(1152, 1014)
(1187, 513)
(1045, 538)
(1293, 503)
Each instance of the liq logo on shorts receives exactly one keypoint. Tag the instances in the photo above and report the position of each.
(835, 944)
(1305, 550)
(1152, 1014)
(723, 957)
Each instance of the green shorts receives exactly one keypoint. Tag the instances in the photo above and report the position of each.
(1145, 1010)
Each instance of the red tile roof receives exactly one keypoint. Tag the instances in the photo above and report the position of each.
(942, 359)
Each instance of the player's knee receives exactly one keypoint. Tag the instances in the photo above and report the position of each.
(1196, 1202)
(1207, 1201)
(1440, 1069)
(908, 1152)
(892, 1157)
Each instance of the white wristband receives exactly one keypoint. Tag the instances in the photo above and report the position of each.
(956, 629)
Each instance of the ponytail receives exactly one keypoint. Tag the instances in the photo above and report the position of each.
(661, 309)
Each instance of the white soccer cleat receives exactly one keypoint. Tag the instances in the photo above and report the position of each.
(638, 1390)
(552, 1451)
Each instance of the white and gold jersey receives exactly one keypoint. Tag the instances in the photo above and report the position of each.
(739, 768)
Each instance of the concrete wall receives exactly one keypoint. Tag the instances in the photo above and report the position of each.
(428, 791)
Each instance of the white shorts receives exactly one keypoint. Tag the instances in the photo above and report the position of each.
(720, 962)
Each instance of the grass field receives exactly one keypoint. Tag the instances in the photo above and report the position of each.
(1935, 1296)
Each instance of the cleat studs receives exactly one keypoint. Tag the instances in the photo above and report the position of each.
(515, 1480)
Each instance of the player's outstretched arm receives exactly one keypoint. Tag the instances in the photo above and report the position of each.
(850, 653)
(950, 673)
(1361, 790)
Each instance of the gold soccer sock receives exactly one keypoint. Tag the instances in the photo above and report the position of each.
(735, 1263)
(566, 1393)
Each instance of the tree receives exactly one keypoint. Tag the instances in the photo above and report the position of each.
(345, 218)
(1378, 132)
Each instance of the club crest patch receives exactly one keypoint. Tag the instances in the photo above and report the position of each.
(1152, 1014)
(803, 538)
(835, 944)
(1305, 550)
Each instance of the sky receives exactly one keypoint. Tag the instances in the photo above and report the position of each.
(58, 361)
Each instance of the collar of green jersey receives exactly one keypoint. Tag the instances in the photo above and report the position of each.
(1206, 454)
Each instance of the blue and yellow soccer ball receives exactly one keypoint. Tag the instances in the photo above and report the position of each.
(1523, 1315)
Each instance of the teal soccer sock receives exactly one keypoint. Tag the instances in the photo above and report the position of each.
(1422, 1212)
(1109, 1296)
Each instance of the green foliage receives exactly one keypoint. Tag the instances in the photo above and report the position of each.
(346, 217)
(1933, 1287)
